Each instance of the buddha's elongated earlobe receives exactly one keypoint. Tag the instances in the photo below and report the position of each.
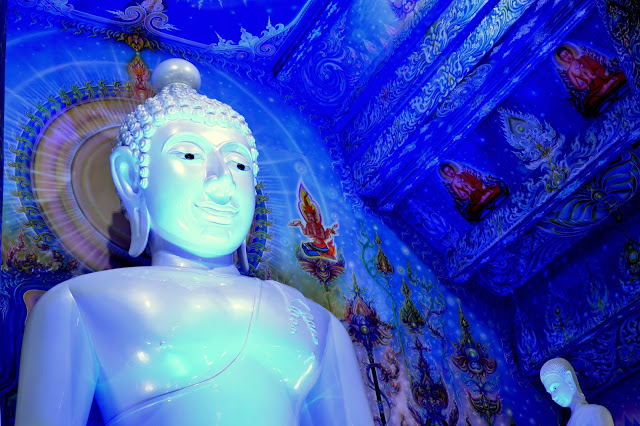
(243, 259)
(126, 179)
(140, 228)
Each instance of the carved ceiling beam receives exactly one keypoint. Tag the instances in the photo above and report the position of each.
(331, 69)
(419, 66)
(478, 95)
(380, 153)
(419, 142)
(413, 33)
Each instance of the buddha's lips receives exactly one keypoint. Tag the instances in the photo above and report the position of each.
(217, 213)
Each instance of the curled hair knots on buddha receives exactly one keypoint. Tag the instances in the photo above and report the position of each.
(177, 82)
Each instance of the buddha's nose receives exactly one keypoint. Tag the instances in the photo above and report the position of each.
(219, 185)
(220, 188)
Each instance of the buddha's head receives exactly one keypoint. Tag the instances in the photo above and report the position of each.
(565, 54)
(447, 170)
(185, 168)
(560, 381)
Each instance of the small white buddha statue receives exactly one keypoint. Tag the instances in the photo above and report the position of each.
(188, 340)
(559, 379)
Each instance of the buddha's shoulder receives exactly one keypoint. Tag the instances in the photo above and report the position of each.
(587, 414)
(95, 282)
(110, 278)
(593, 408)
(64, 295)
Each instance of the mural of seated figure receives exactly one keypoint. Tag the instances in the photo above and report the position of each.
(474, 194)
(593, 81)
(560, 380)
(187, 340)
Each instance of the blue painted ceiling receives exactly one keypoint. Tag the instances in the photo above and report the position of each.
(457, 119)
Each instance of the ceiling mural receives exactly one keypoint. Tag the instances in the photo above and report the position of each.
(497, 138)
(540, 140)
(231, 28)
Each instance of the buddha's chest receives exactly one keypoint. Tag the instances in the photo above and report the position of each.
(167, 337)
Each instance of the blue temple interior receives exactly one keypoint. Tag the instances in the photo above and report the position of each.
(484, 191)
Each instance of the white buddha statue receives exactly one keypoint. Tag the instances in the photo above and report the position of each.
(188, 340)
(559, 379)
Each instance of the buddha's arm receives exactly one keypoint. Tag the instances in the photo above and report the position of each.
(338, 396)
(58, 369)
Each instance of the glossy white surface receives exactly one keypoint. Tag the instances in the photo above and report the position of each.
(167, 346)
(175, 70)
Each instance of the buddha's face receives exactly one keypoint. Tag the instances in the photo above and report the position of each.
(200, 194)
(559, 388)
(567, 56)
(449, 171)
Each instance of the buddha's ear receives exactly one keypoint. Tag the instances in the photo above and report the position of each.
(126, 179)
(568, 377)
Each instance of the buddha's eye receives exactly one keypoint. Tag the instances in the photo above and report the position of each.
(190, 156)
(241, 165)
(187, 151)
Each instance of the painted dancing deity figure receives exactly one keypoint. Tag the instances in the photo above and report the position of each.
(188, 340)
(560, 380)
(321, 244)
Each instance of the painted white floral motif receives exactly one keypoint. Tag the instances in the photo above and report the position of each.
(535, 143)
(149, 13)
(55, 7)
(151, 16)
